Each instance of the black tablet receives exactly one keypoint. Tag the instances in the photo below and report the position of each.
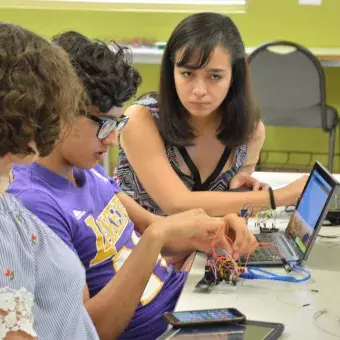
(249, 330)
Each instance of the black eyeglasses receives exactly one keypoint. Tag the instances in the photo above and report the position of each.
(107, 125)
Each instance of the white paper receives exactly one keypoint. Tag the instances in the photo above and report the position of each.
(310, 2)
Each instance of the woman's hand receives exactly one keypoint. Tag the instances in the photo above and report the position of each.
(290, 194)
(243, 179)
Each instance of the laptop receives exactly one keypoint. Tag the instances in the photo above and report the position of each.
(296, 242)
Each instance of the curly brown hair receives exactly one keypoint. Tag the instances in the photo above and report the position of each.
(105, 70)
(39, 90)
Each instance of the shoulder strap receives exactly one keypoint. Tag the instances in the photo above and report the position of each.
(198, 185)
(223, 160)
(148, 101)
(191, 165)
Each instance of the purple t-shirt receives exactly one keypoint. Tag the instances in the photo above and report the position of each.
(94, 224)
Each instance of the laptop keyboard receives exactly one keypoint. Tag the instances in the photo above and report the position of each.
(264, 253)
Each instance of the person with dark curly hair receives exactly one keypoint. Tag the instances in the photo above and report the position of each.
(109, 78)
(119, 243)
(41, 280)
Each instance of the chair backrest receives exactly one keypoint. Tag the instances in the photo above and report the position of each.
(289, 86)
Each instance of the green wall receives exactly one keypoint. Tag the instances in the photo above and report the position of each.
(264, 20)
(312, 26)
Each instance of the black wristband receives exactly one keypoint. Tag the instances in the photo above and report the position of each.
(272, 199)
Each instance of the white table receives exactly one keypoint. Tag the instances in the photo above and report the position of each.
(279, 179)
(280, 301)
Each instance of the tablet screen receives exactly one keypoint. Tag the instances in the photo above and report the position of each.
(230, 332)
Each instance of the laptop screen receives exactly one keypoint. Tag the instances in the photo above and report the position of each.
(303, 222)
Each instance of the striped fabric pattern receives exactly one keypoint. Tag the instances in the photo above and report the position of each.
(45, 277)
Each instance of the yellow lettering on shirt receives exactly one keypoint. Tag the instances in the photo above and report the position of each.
(108, 228)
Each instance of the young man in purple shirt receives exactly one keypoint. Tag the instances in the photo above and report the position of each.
(129, 284)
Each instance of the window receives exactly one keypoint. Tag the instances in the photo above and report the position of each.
(180, 6)
(171, 2)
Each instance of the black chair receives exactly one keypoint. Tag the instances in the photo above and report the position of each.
(290, 88)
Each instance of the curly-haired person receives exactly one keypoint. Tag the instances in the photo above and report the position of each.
(119, 243)
(41, 280)
(107, 74)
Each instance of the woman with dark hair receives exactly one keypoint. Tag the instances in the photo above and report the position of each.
(41, 280)
(204, 134)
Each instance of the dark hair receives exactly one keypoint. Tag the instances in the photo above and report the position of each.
(198, 35)
(38, 90)
(105, 70)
